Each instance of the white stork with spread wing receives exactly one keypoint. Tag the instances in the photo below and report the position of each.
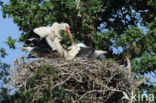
(53, 31)
(41, 40)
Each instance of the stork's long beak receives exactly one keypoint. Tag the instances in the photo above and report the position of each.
(69, 34)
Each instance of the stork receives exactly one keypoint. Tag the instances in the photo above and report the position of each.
(43, 38)
(50, 33)
(68, 55)
(84, 51)
(78, 50)
(53, 31)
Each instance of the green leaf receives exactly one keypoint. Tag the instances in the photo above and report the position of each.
(11, 42)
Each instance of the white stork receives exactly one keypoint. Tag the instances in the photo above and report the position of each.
(78, 50)
(53, 31)
(84, 51)
(68, 55)
(43, 38)
(50, 33)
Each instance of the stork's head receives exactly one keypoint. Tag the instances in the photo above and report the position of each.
(65, 27)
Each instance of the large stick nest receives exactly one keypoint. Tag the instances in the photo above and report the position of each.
(92, 80)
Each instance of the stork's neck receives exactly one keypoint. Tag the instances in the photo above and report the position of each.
(68, 55)
(58, 46)
(55, 33)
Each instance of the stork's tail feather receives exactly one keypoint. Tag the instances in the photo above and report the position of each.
(27, 49)
(98, 53)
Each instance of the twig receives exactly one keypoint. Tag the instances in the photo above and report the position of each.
(92, 91)
(141, 82)
(65, 80)
(129, 64)
(79, 7)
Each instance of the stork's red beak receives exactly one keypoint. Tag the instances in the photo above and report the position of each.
(69, 34)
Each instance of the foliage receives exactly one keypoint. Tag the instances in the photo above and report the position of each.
(3, 76)
(102, 24)
(11, 42)
(1, 4)
(3, 72)
(3, 53)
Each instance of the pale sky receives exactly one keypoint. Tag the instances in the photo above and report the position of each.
(8, 28)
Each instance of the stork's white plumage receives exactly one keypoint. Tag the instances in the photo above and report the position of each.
(84, 51)
(51, 44)
(43, 31)
(78, 50)
(39, 52)
(39, 47)
(27, 49)
(43, 38)
(68, 55)
(53, 31)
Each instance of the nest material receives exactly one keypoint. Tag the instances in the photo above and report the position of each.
(92, 80)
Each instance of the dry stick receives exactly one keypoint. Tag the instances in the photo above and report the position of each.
(132, 85)
(141, 82)
(136, 84)
(110, 94)
(79, 7)
(129, 64)
(65, 64)
(66, 79)
(71, 91)
(111, 78)
(80, 78)
(89, 92)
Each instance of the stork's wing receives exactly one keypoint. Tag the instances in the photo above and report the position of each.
(51, 44)
(40, 52)
(42, 31)
(82, 45)
(85, 52)
(38, 42)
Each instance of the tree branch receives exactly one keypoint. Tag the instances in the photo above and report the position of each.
(79, 7)
(141, 82)
(129, 64)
